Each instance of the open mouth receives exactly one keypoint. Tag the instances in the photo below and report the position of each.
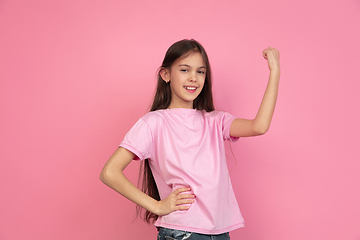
(190, 88)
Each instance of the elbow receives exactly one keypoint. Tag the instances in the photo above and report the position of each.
(102, 176)
(259, 133)
(260, 127)
(105, 176)
(261, 130)
(110, 176)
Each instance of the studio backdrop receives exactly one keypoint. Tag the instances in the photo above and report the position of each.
(76, 75)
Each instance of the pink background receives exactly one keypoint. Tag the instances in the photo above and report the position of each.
(76, 75)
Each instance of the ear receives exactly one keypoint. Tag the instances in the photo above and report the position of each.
(165, 74)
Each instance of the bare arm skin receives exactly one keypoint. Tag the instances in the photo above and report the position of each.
(112, 175)
(261, 123)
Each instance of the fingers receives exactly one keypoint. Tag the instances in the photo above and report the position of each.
(184, 196)
(270, 50)
(272, 56)
(179, 199)
(184, 204)
(180, 190)
(183, 207)
(179, 195)
(183, 200)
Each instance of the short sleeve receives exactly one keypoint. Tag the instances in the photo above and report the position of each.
(139, 140)
(227, 119)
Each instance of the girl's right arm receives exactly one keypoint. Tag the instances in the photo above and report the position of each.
(112, 175)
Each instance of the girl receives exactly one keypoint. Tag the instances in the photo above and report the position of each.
(186, 186)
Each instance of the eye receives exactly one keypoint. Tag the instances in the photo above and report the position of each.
(201, 72)
(183, 70)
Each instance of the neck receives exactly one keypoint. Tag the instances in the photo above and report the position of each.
(189, 106)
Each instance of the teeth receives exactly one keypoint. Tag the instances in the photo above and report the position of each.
(191, 88)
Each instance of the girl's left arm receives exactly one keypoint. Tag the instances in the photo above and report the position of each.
(261, 123)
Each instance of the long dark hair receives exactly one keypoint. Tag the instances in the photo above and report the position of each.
(162, 100)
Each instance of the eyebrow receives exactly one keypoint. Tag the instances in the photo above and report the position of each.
(185, 65)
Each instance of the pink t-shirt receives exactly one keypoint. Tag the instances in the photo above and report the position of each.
(185, 148)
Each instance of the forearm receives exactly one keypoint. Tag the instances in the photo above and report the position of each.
(118, 182)
(261, 122)
(112, 175)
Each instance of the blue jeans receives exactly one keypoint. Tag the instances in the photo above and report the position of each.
(171, 234)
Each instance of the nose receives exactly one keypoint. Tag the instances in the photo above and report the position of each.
(192, 77)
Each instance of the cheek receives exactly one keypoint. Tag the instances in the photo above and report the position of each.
(202, 87)
(203, 82)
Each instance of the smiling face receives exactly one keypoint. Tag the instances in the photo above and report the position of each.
(186, 78)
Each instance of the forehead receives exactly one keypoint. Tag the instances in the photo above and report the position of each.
(193, 59)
